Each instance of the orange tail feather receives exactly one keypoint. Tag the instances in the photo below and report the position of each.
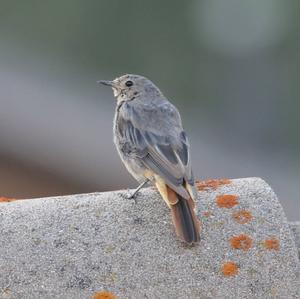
(186, 223)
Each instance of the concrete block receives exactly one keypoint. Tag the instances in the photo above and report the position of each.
(74, 246)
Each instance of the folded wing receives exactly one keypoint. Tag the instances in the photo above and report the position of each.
(162, 146)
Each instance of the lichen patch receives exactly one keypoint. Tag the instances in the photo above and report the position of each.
(229, 269)
(207, 214)
(226, 201)
(271, 244)
(242, 242)
(242, 216)
(6, 199)
(211, 184)
(104, 295)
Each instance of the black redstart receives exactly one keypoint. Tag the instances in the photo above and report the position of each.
(154, 147)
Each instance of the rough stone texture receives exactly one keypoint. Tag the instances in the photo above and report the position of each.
(295, 227)
(73, 246)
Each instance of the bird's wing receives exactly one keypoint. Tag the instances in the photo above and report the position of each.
(156, 136)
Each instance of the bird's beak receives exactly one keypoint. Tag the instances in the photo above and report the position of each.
(105, 82)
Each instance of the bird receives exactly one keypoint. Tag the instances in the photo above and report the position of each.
(154, 147)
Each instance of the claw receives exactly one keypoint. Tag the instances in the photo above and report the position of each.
(132, 195)
(135, 192)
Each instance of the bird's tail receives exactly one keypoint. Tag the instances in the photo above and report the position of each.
(186, 223)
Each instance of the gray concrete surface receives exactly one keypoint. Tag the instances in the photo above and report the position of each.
(73, 246)
(295, 228)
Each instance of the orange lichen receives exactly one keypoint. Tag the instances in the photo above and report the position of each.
(229, 269)
(206, 213)
(6, 199)
(242, 216)
(226, 200)
(271, 244)
(242, 242)
(211, 184)
(104, 295)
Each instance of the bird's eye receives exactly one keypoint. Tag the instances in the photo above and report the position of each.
(128, 83)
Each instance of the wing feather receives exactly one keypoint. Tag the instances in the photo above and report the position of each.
(162, 145)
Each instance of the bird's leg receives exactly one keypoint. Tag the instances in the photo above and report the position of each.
(134, 193)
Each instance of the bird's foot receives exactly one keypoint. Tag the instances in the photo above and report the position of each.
(131, 195)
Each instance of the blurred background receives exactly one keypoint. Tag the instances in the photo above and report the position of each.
(231, 67)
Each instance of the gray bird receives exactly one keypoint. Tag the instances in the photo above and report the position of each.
(152, 144)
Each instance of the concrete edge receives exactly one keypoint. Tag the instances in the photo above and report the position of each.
(295, 228)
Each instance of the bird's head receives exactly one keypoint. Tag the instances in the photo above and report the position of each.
(129, 87)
